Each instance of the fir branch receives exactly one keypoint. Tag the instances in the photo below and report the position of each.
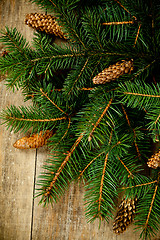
(101, 185)
(100, 118)
(118, 23)
(59, 56)
(157, 119)
(142, 70)
(79, 75)
(35, 120)
(140, 94)
(69, 123)
(44, 94)
(148, 211)
(152, 202)
(15, 42)
(53, 3)
(67, 158)
(82, 89)
(140, 185)
(137, 35)
(128, 121)
(125, 9)
(98, 62)
(82, 172)
(23, 118)
(130, 174)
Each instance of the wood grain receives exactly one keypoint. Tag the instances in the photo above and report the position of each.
(21, 216)
(17, 167)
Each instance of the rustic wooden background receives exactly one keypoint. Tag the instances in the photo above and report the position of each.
(21, 216)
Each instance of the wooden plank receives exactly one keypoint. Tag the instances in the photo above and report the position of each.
(17, 166)
(17, 171)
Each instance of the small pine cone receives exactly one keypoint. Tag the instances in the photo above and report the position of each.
(125, 214)
(34, 141)
(113, 72)
(154, 160)
(44, 23)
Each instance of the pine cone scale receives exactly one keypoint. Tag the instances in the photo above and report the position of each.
(44, 23)
(113, 72)
(154, 160)
(124, 216)
(34, 141)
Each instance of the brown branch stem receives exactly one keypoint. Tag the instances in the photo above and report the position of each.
(45, 94)
(140, 185)
(79, 75)
(89, 164)
(37, 120)
(130, 174)
(100, 118)
(152, 202)
(125, 8)
(118, 23)
(128, 121)
(102, 180)
(143, 95)
(137, 35)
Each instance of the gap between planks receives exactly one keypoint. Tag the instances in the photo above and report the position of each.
(34, 184)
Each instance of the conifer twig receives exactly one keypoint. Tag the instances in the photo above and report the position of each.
(140, 185)
(157, 119)
(125, 9)
(98, 62)
(53, 3)
(16, 45)
(110, 138)
(79, 75)
(137, 35)
(142, 106)
(101, 186)
(69, 123)
(141, 94)
(48, 190)
(82, 89)
(100, 118)
(89, 164)
(128, 121)
(142, 70)
(58, 56)
(155, 83)
(118, 23)
(152, 202)
(130, 174)
(45, 94)
(37, 120)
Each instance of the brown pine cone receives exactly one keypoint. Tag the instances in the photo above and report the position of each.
(113, 72)
(44, 23)
(125, 214)
(34, 141)
(154, 160)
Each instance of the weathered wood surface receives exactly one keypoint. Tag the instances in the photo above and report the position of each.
(21, 216)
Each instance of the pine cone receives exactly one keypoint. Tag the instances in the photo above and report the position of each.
(113, 72)
(125, 214)
(44, 23)
(154, 160)
(34, 141)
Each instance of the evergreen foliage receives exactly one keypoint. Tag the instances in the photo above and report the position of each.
(104, 133)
